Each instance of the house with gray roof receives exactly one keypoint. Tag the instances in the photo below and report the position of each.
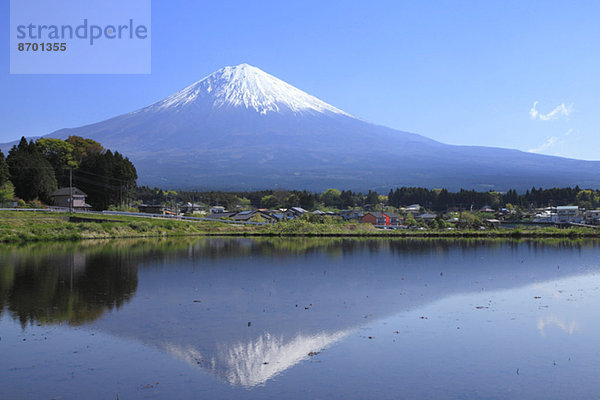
(62, 198)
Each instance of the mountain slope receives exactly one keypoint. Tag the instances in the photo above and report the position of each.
(241, 128)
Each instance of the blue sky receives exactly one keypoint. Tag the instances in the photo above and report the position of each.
(514, 74)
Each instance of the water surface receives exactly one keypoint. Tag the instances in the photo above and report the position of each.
(300, 318)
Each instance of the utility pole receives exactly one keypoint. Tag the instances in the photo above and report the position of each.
(71, 189)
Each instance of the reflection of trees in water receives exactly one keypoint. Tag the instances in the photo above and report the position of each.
(286, 246)
(73, 287)
(78, 282)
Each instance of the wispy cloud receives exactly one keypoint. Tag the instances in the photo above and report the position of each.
(551, 141)
(569, 132)
(548, 143)
(558, 111)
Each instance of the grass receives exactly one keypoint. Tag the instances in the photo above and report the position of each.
(18, 226)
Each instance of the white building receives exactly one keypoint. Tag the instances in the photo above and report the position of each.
(217, 209)
(413, 209)
(569, 214)
(592, 217)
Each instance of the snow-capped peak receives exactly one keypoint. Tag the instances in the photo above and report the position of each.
(249, 87)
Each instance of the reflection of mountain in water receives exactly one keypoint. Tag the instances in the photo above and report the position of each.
(255, 362)
(195, 299)
(303, 295)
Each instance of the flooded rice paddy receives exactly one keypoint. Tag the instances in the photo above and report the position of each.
(300, 318)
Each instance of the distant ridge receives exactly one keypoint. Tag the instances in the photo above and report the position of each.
(240, 128)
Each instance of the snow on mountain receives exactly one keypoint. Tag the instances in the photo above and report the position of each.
(249, 87)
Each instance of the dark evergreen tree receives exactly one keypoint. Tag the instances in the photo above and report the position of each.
(4, 173)
(347, 199)
(372, 198)
(31, 174)
(307, 200)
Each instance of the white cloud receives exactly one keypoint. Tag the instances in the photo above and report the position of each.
(559, 111)
(548, 143)
(551, 141)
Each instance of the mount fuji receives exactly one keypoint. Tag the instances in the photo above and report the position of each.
(242, 129)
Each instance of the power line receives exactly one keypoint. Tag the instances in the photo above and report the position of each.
(96, 183)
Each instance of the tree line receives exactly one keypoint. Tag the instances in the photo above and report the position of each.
(439, 200)
(34, 170)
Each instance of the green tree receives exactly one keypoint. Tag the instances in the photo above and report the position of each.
(59, 154)
(124, 174)
(107, 178)
(495, 199)
(244, 203)
(347, 199)
(331, 198)
(83, 148)
(307, 200)
(4, 172)
(410, 220)
(588, 199)
(31, 174)
(372, 198)
(7, 191)
(293, 200)
(269, 201)
(281, 195)
(469, 220)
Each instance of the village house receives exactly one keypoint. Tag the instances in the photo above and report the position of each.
(426, 217)
(493, 222)
(294, 212)
(568, 214)
(62, 198)
(413, 209)
(350, 215)
(592, 217)
(254, 216)
(192, 208)
(277, 215)
(217, 209)
(381, 219)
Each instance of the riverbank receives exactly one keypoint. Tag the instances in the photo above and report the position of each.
(51, 226)
(16, 226)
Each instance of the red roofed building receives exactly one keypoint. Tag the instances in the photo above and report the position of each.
(380, 218)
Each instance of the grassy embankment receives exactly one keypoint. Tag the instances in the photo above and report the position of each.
(18, 226)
